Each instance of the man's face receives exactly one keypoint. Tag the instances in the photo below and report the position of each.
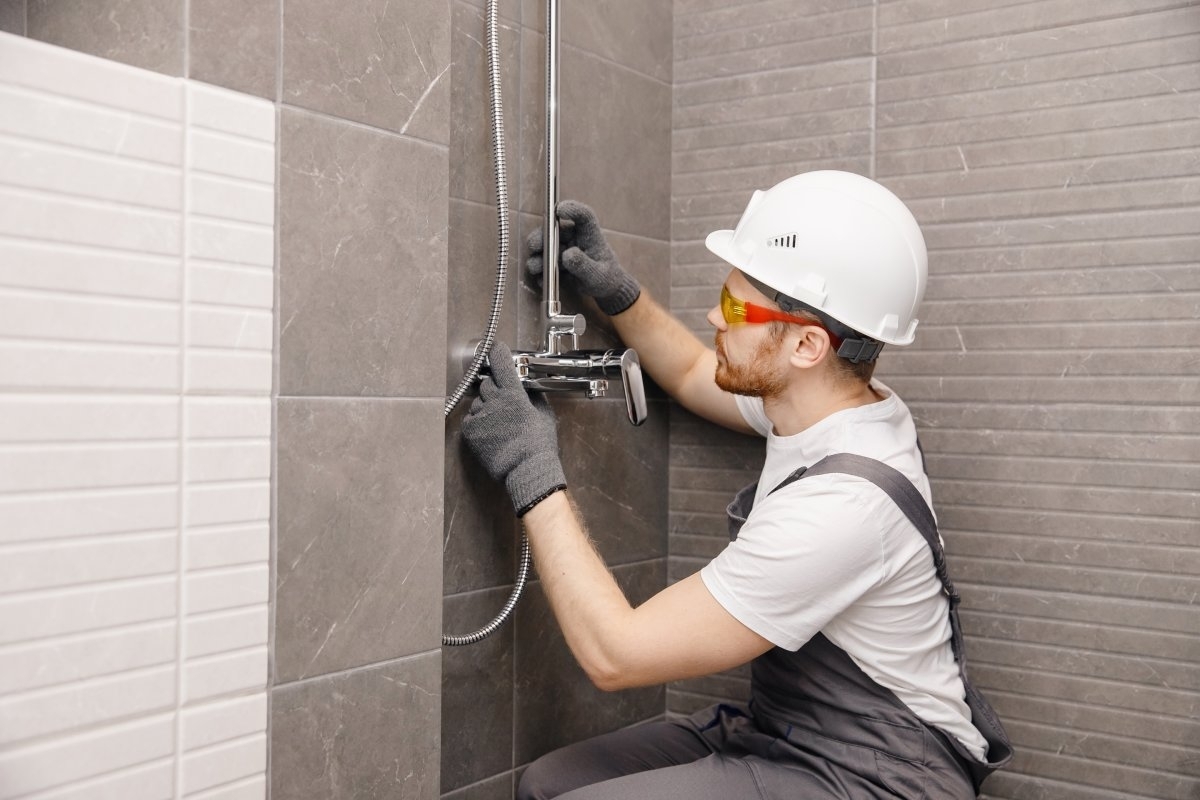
(748, 355)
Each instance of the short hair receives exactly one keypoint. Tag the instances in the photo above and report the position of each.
(847, 369)
(857, 368)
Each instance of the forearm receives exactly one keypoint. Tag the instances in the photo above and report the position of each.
(589, 606)
(681, 632)
(667, 350)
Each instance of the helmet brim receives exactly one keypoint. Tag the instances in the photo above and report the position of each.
(720, 244)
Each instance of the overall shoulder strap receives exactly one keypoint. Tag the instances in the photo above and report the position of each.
(905, 495)
(897, 487)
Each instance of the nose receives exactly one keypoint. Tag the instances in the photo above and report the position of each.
(717, 319)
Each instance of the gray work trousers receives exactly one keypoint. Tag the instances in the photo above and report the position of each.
(721, 753)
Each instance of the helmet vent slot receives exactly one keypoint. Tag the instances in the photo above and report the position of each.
(787, 240)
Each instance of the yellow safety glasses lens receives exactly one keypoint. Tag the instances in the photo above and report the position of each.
(732, 309)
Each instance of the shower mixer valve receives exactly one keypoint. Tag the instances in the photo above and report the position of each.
(559, 326)
(587, 371)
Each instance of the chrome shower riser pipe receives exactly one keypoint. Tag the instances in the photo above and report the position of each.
(561, 332)
(551, 238)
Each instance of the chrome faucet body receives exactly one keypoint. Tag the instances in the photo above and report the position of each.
(588, 371)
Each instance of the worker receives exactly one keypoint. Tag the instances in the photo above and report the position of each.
(833, 585)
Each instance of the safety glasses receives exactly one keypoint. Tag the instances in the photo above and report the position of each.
(735, 310)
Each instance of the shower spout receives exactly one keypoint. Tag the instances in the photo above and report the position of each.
(588, 371)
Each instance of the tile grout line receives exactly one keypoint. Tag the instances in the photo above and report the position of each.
(341, 673)
(520, 212)
(669, 303)
(279, 71)
(874, 80)
(273, 525)
(522, 99)
(366, 126)
(181, 556)
(665, 83)
(276, 372)
(187, 38)
(370, 398)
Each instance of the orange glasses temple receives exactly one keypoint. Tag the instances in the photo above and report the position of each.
(751, 313)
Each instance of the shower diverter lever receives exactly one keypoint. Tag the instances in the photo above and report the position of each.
(635, 390)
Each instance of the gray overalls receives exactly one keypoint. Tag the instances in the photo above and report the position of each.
(816, 726)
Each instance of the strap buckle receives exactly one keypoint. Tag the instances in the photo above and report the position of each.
(858, 350)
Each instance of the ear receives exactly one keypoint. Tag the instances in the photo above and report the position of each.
(811, 348)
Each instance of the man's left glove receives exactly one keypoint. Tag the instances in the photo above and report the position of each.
(513, 435)
(587, 259)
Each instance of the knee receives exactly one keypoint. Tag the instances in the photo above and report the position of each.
(542, 780)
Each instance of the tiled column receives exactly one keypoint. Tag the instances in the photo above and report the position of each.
(136, 256)
(362, 299)
(229, 328)
(91, 355)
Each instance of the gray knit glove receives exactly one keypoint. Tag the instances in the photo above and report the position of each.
(588, 259)
(513, 435)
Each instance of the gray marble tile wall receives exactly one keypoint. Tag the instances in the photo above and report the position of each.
(363, 93)
(519, 694)
(363, 248)
(12, 16)
(1049, 150)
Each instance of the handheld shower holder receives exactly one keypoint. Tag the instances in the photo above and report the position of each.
(558, 326)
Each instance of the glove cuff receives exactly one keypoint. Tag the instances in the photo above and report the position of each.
(627, 291)
(535, 479)
(562, 487)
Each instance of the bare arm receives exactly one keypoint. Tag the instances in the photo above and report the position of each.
(678, 361)
(681, 632)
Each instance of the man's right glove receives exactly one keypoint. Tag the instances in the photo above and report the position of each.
(588, 259)
(513, 435)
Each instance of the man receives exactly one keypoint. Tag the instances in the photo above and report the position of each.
(829, 586)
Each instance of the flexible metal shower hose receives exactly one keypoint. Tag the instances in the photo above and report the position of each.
(493, 50)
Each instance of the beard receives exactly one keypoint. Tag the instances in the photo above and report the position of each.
(755, 378)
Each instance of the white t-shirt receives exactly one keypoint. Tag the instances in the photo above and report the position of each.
(834, 554)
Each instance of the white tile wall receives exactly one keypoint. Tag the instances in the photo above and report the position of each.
(136, 336)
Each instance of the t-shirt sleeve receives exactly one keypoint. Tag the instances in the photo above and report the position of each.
(805, 555)
(754, 413)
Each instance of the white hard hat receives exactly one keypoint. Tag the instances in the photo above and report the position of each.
(838, 242)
